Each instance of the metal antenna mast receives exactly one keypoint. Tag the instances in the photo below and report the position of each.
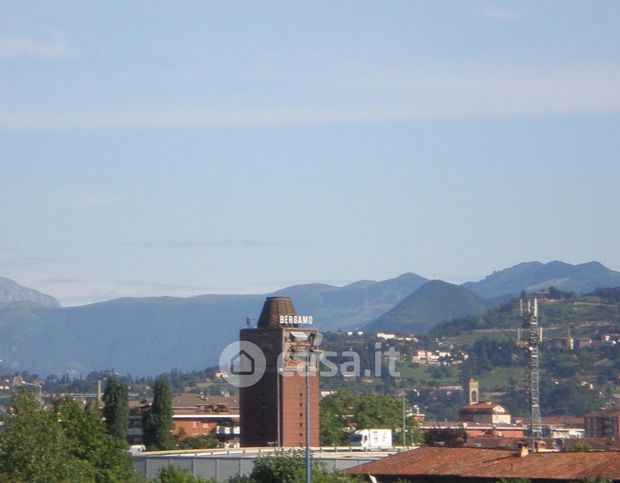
(530, 321)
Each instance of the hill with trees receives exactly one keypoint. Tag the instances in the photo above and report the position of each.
(435, 302)
(580, 358)
(535, 276)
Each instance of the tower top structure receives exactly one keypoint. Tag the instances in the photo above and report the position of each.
(273, 309)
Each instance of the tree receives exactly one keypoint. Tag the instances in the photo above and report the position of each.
(579, 447)
(116, 408)
(157, 419)
(33, 448)
(283, 467)
(171, 474)
(62, 443)
(336, 413)
(89, 440)
(290, 467)
(378, 411)
(363, 411)
(202, 441)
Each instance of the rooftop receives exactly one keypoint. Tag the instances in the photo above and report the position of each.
(483, 406)
(192, 400)
(605, 412)
(470, 425)
(495, 463)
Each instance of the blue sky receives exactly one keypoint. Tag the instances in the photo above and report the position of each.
(186, 147)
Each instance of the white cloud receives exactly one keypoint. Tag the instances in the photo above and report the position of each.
(437, 92)
(17, 47)
(184, 244)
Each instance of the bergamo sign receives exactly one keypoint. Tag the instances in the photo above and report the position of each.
(296, 320)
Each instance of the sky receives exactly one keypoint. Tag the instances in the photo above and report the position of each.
(189, 147)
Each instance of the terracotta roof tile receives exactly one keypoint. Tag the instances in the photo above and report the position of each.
(605, 412)
(562, 420)
(481, 406)
(495, 463)
(191, 401)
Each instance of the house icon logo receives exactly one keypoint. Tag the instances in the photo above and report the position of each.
(242, 363)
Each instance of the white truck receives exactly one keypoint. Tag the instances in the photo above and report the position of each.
(369, 439)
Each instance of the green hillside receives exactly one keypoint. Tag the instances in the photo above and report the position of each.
(435, 302)
(574, 380)
(588, 315)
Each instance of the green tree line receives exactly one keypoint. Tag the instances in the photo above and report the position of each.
(65, 442)
(344, 411)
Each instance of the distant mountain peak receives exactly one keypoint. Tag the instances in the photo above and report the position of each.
(12, 292)
(434, 302)
(580, 278)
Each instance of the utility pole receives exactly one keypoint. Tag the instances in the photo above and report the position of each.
(404, 421)
(308, 465)
(312, 357)
(279, 405)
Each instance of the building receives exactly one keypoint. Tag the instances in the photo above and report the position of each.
(432, 357)
(603, 424)
(451, 465)
(562, 427)
(192, 415)
(473, 430)
(134, 423)
(484, 412)
(477, 411)
(198, 415)
(358, 333)
(273, 410)
(385, 336)
(582, 342)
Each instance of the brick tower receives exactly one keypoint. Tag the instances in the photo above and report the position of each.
(273, 410)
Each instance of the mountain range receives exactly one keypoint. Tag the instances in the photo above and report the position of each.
(533, 276)
(11, 291)
(153, 335)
